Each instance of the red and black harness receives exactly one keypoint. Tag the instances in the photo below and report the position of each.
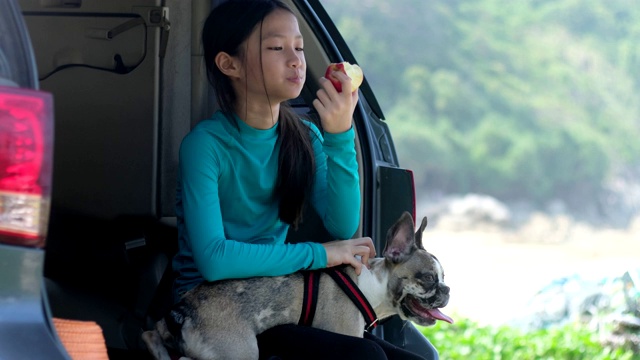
(310, 300)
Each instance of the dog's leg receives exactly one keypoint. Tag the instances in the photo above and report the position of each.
(155, 346)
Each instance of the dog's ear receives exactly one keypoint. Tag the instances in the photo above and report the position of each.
(423, 225)
(400, 239)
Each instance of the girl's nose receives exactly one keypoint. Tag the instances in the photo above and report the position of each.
(296, 58)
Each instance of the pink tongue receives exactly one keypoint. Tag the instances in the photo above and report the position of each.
(436, 313)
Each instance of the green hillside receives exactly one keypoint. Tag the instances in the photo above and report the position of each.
(527, 99)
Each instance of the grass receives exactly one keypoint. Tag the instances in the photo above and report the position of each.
(467, 340)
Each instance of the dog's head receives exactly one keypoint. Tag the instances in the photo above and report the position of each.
(417, 278)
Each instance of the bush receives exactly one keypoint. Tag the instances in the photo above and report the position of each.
(467, 340)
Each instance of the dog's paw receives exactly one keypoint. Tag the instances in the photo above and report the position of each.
(155, 345)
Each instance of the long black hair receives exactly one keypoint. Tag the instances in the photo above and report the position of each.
(226, 28)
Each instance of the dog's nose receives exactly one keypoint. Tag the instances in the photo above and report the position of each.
(444, 288)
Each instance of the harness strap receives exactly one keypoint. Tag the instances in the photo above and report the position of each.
(353, 292)
(310, 300)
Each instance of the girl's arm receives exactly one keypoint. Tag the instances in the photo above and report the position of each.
(336, 194)
(215, 256)
(336, 190)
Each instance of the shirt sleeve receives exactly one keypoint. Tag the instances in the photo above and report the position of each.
(336, 190)
(215, 256)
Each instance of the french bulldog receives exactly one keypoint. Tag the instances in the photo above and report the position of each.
(220, 320)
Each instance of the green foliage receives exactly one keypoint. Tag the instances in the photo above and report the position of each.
(467, 340)
(532, 99)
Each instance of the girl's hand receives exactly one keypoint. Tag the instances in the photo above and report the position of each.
(335, 109)
(344, 252)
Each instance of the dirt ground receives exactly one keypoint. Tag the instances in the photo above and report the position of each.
(493, 272)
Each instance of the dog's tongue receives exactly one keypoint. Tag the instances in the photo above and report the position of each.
(436, 313)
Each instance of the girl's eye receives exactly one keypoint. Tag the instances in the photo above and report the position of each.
(299, 49)
(277, 48)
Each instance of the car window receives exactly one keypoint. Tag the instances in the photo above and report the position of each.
(16, 59)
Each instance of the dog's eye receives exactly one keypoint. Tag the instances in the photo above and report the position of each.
(428, 278)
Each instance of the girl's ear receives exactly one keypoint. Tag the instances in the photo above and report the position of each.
(228, 65)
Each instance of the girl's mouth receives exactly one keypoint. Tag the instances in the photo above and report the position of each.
(296, 79)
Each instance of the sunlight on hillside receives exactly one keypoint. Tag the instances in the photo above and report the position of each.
(520, 123)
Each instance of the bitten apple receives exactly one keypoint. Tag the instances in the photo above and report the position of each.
(351, 70)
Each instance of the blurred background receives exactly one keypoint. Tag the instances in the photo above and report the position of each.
(521, 122)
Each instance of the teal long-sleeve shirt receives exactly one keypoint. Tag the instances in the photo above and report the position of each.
(228, 223)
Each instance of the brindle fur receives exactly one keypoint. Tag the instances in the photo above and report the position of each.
(220, 320)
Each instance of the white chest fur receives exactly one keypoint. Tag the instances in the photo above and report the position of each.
(373, 284)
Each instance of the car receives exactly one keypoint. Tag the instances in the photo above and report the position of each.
(95, 98)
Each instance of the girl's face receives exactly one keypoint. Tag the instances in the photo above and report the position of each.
(283, 69)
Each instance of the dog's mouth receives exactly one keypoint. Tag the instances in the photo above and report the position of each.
(417, 308)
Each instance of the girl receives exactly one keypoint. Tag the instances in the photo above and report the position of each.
(246, 173)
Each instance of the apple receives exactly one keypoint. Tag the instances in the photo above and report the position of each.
(351, 70)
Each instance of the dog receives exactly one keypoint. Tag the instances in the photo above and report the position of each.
(220, 320)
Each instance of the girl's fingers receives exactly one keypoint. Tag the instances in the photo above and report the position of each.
(354, 100)
(362, 253)
(328, 87)
(356, 265)
(364, 259)
(353, 252)
(345, 81)
(366, 241)
(319, 106)
(325, 92)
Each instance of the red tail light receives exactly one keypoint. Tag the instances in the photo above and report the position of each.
(26, 139)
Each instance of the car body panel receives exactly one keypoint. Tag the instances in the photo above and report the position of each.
(25, 328)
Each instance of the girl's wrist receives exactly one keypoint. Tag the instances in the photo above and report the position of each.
(338, 130)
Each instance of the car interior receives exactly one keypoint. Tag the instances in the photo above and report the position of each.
(128, 83)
